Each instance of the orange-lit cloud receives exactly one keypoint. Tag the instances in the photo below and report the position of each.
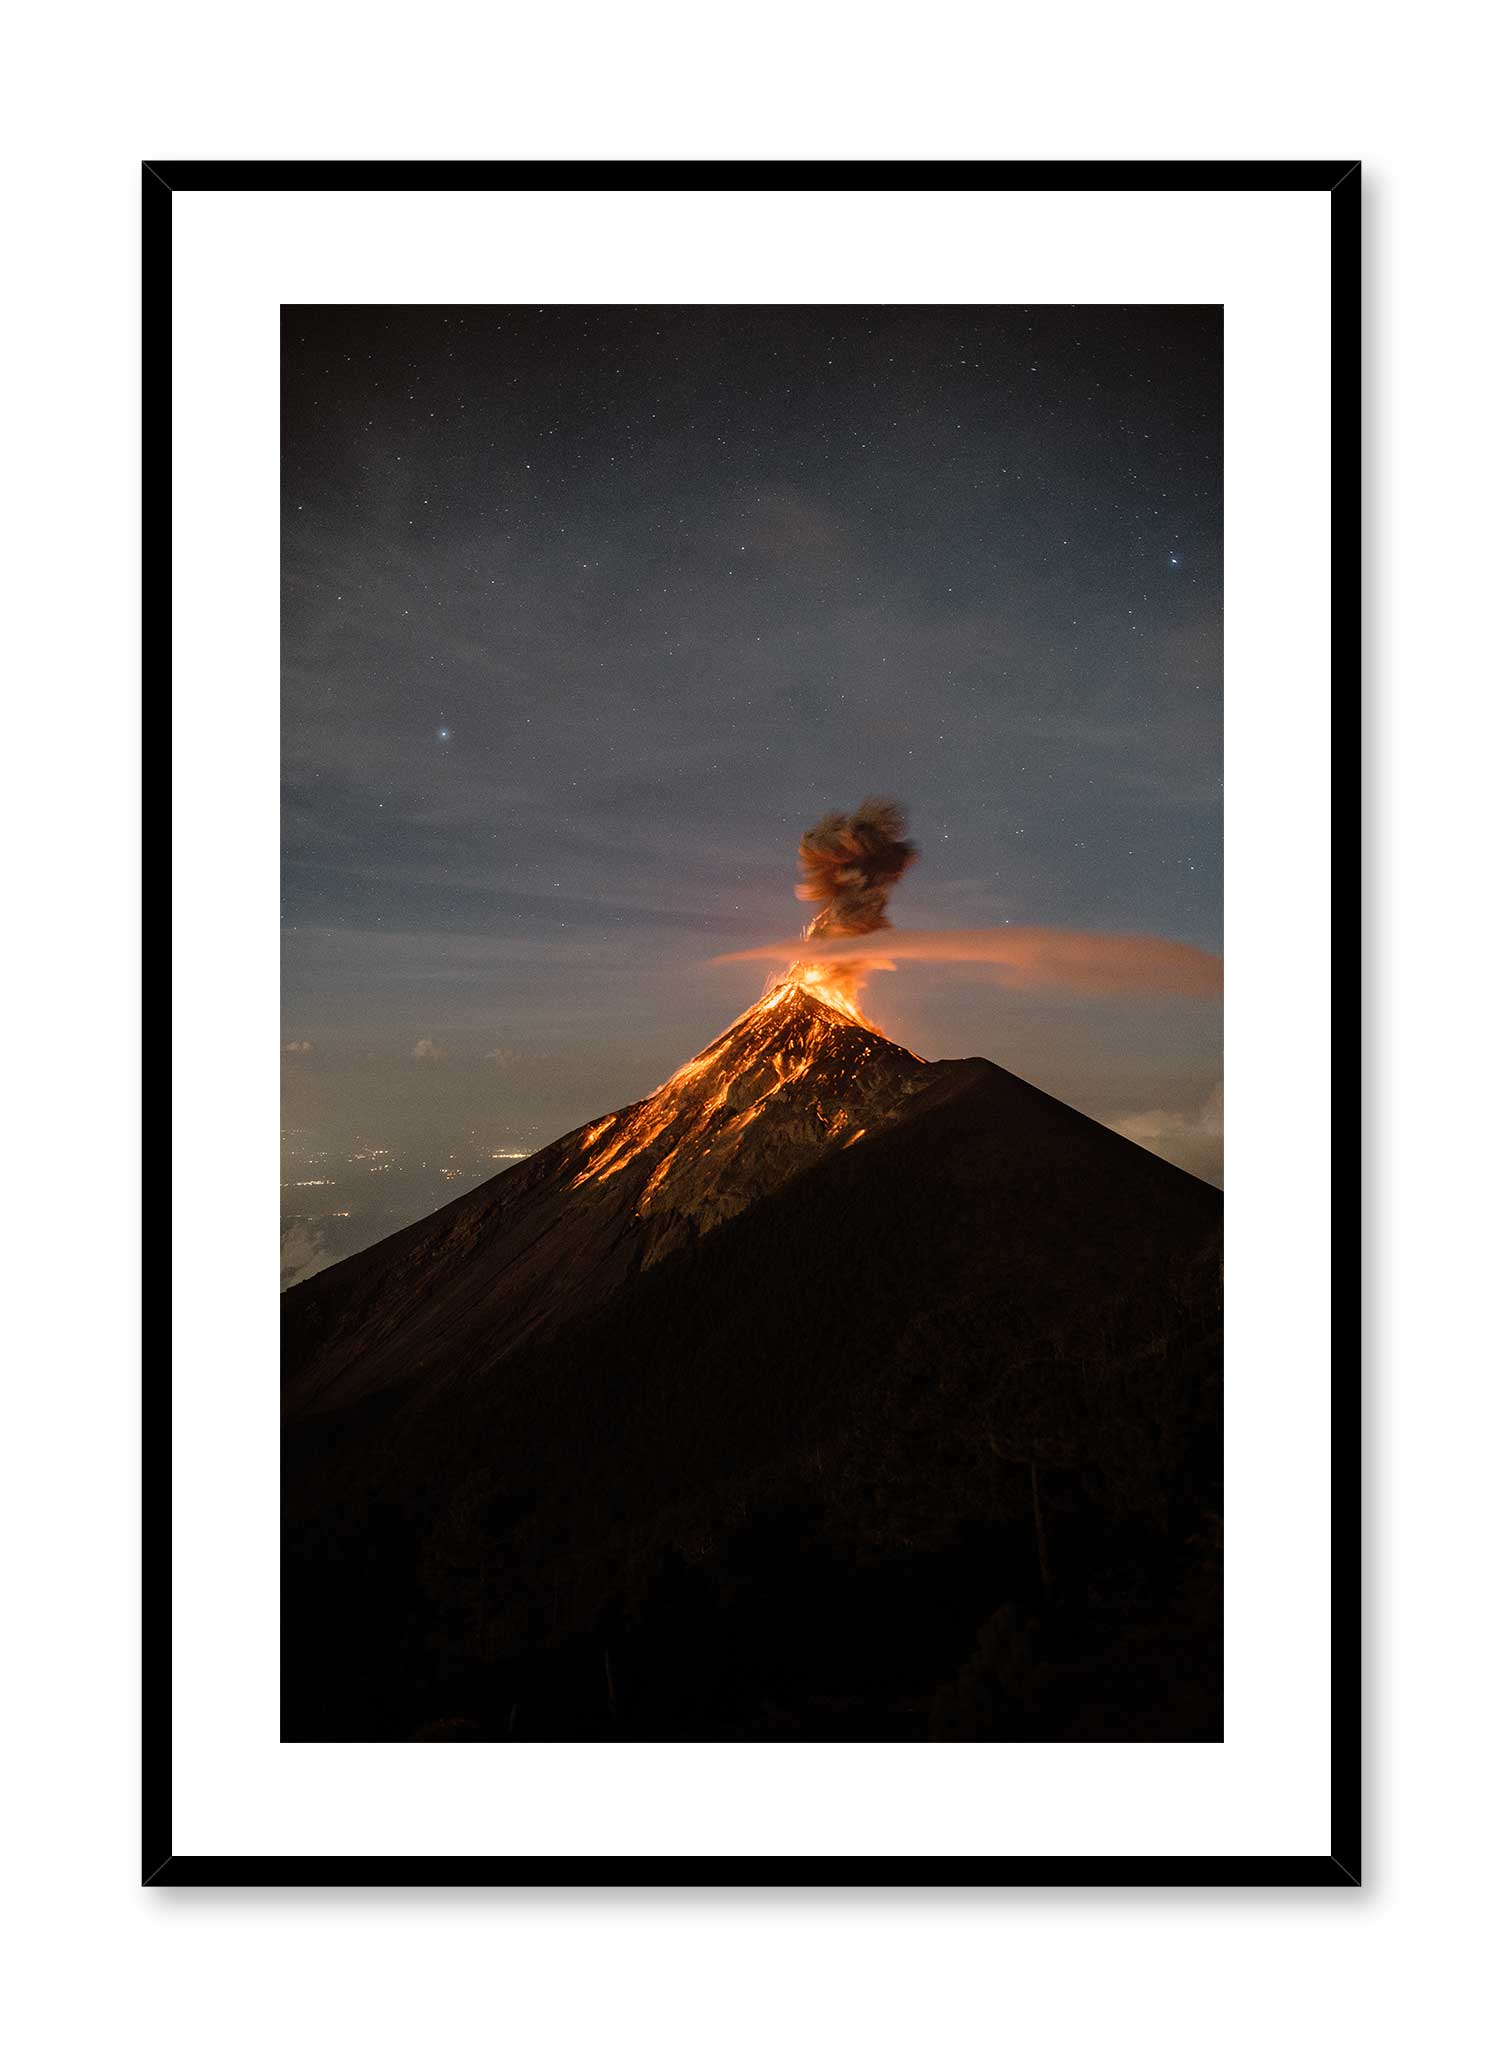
(1030, 957)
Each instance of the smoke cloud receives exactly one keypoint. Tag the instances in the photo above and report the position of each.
(849, 862)
(1032, 957)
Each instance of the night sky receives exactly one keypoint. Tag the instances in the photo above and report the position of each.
(589, 612)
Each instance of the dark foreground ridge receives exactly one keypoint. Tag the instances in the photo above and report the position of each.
(827, 1394)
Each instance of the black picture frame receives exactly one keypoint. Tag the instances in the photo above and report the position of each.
(160, 1865)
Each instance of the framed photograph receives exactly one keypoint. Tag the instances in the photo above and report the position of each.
(752, 847)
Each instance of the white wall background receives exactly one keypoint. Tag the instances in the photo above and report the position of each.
(91, 94)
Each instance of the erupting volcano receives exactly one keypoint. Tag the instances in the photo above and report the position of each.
(802, 1068)
(801, 1073)
(798, 1075)
(527, 1433)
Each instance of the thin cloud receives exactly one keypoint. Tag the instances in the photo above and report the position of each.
(425, 1049)
(299, 1047)
(1030, 957)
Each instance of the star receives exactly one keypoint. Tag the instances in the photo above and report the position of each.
(443, 732)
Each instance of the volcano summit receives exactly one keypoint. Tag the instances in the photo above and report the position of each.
(827, 1391)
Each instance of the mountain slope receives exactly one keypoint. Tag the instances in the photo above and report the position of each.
(557, 1235)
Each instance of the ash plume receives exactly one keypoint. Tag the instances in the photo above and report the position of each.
(849, 862)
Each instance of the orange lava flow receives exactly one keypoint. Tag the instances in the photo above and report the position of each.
(753, 1060)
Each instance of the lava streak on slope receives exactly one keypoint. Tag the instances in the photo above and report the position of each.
(799, 1070)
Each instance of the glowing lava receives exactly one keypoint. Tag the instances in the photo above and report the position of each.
(836, 982)
(797, 1071)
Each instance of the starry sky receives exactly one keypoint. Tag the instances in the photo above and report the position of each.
(589, 612)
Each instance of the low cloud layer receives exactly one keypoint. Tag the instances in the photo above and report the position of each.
(1030, 957)
(1191, 1138)
(304, 1252)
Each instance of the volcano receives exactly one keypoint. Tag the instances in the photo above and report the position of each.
(794, 1078)
(747, 1409)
